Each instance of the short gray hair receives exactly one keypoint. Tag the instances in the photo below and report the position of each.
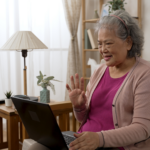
(132, 30)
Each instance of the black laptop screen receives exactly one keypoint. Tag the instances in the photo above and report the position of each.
(40, 123)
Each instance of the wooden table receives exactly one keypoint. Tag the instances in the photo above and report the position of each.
(12, 142)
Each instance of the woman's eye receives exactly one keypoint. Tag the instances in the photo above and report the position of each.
(108, 43)
(99, 45)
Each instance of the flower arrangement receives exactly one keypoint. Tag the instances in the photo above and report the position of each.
(45, 81)
(115, 5)
(8, 94)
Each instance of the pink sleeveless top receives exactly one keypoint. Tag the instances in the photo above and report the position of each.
(100, 115)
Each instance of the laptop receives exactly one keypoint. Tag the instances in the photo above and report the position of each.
(41, 124)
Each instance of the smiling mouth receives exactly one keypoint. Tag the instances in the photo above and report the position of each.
(106, 58)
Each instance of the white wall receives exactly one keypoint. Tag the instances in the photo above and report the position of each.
(146, 28)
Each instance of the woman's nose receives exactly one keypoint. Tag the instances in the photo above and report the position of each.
(103, 48)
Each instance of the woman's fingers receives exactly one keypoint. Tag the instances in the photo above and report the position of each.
(79, 142)
(72, 83)
(83, 95)
(68, 88)
(82, 98)
(76, 81)
(78, 139)
(82, 84)
(75, 93)
(76, 84)
(85, 140)
(78, 134)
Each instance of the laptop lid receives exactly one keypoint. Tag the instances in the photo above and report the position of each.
(40, 123)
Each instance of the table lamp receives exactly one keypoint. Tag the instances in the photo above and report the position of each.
(24, 41)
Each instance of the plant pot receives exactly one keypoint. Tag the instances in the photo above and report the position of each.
(8, 102)
(45, 95)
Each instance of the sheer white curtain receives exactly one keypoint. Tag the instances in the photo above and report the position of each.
(45, 18)
(72, 12)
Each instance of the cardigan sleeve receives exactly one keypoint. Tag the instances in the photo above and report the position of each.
(139, 129)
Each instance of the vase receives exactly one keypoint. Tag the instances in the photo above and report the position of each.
(45, 95)
(8, 102)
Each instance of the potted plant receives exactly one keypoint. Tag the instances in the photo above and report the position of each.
(115, 5)
(44, 82)
(8, 101)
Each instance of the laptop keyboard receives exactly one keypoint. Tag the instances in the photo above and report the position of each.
(68, 139)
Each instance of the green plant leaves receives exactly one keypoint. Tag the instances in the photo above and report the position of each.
(43, 85)
(49, 78)
(56, 80)
(44, 82)
(52, 87)
(40, 77)
(115, 5)
(8, 94)
(38, 81)
(41, 74)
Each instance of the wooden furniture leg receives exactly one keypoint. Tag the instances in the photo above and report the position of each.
(24, 133)
(74, 122)
(62, 122)
(68, 122)
(13, 139)
(2, 143)
(1, 130)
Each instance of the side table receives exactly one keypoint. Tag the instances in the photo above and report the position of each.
(12, 142)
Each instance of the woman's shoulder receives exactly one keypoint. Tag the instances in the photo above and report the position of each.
(96, 76)
(144, 62)
(143, 65)
(101, 67)
(141, 70)
(99, 71)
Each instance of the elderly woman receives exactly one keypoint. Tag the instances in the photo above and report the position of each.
(115, 110)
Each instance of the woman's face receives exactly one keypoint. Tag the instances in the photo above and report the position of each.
(113, 49)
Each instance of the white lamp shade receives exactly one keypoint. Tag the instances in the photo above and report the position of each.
(23, 40)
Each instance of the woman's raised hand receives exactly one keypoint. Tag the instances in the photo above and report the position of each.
(76, 92)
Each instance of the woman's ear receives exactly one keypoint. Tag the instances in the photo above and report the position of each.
(129, 43)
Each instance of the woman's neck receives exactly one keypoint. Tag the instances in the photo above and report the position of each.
(122, 69)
